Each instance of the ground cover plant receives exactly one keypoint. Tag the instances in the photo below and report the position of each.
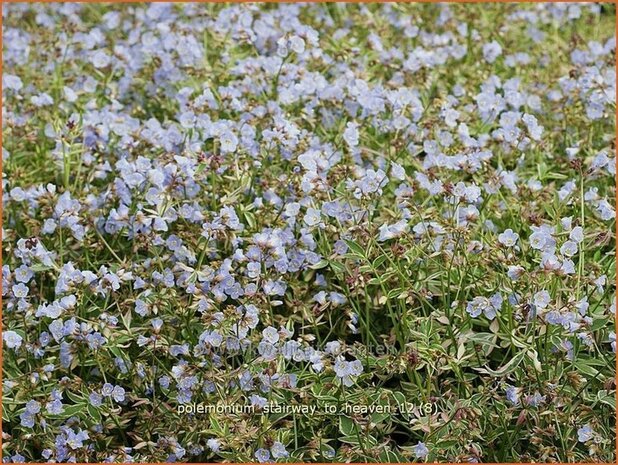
(322, 232)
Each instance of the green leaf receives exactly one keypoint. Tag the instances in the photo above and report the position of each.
(336, 266)
(75, 397)
(38, 267)
(357, 249)
(94, 413)
(319, 265)
(72, 410)
(389, 456)
(599, 323)
(506, 368)
(327, 451)
(607, 399)
(368, 441)
(346, 426)
(250, 219)
(584, 367)
(379, 261)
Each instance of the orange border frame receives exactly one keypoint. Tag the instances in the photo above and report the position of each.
(2, 2)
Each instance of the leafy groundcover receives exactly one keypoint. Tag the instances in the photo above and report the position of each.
(308, 232)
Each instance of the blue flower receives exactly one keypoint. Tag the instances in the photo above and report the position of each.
(491, 51)
(107, 389)
(27, 419)
(585, 433)
(12, 339)
(270, 335)
(55, 407)
(214, 444)
(262, 455)
(420, 450)
(351, 135)
(278, 450)
(20, 290)
(95, 399)
(33, 407)
(118, 393)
